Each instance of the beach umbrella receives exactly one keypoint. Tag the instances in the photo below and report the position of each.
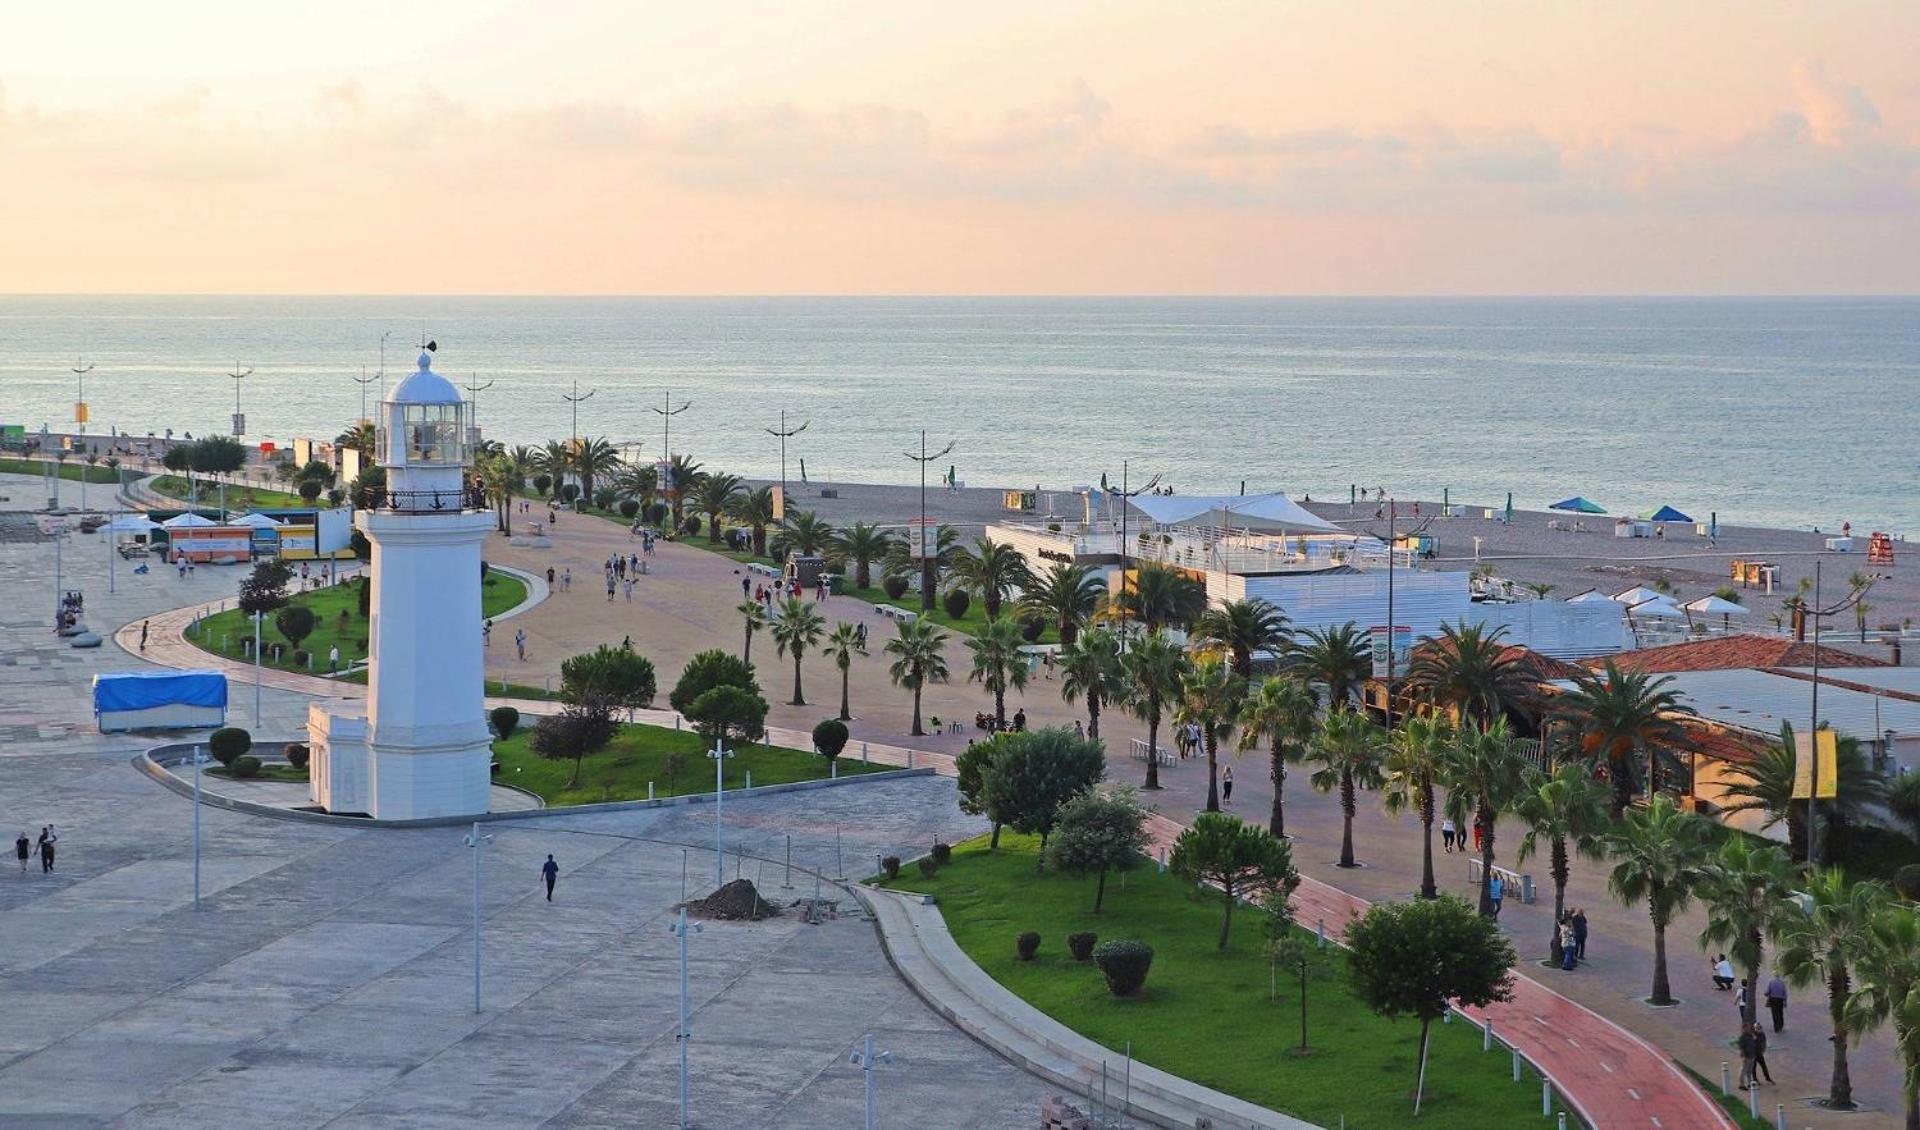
(132, 524)
(1639, 594)
(1716, 606)
(1660, 607)
(1579, 505)
(255, 521)
(189, 520)
(1509, 508)
(1667, 514)
(1589, 597)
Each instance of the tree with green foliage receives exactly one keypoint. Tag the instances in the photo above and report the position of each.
(1241, 860)
(919, 653)
(755, 616)
(998, 663)
(1886, 972)
(1338, 659)
(1098, 832)
(620, 677)
(1294, 952)
(860, 545)
(296, 622)
(1567, 811)
(803, 534)
(265, 589)
(754, 510)
(1744, 887)
(1160, 597)
(1151, 674)
(992, 571)
(1765, 785)
(715, 496)
(592, 458)
(971, 769)
(683, 478)
(1036, 772)
(796, 628)
(1421, 958)
(830, 737)
(1626, 720)
(1241, 627)
(1210, 698)
(1820, 944)
(729, 712)
(707, 670)
(1467, 669)
(1657, 852)
(505, 721)
(1484, 775)
(1416, 753)
(1349, 749)
(582, 727)
(1066, 596)
(1282, 712)
(1090, 669)
(842, 644)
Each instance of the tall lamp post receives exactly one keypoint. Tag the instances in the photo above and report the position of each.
(80, 369)
(238, 375)
(867, 1059)
(475, 841)
(682, 1037)
(199, 758)
(927, 560)
(474, 390)
(363, 380)
(1818, 613)
(666, 443)
(785, 433)
(256, 669)
(575, 400)
(1126, 498)
(719, 754)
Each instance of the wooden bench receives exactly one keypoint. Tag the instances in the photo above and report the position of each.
(1137, 749)
(894, 612)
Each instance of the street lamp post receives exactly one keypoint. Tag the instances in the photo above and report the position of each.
(927, 560)
(1126, 497)
(867, 1059)
(575, 400)
(719, 754)
(474, 389)
(475, 841)
(363, 380)
(785, 433)
(256, 669)
(685, 1034)
(80, 370)
(238, 375)
(199, 758)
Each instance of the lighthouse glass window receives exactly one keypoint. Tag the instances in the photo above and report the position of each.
(435, 434)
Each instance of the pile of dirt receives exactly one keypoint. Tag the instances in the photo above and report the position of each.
(735, 902)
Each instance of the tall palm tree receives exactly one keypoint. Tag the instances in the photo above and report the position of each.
(1282, 712)
(1484, 775)
(1821, 945)
(1160, 597)
(683, 478)
(1657, 852)
(796, 628)
(1240, 628)
(1349, 749)
(1744, 886)
(901, 562)
(1903, 801)
(1090, 669)
(841, 645)
(1466, 667)
(362, 437)
(998, 663)
(1338, 658)
(1416, 755)
(1151, 671)
(1886, 972)
(919, 654)
(1765, 784)
(991, 570)
(756, 619)
(803, 534)
(860, 545)
(594, 458)
(1568, 811)
(556, 461)
(639, 481)
(502, 482)
(1621, 717)
(1210, 698)
(714, 497)
(1067, 595)
(754, 510)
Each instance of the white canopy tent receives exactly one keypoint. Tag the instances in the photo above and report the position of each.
(1659, 607)
(1715, 606)
(1261, 513)
(256, 522)
(188, 521)
(132, 524)
(1589, 597)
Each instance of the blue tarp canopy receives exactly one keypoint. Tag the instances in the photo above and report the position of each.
(1667, 514)
(1579, 505)
(144, 690)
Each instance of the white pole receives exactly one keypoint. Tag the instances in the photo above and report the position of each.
(113, 574)
(719, 753)
(685, 1034)
(866, 1062)
(256, 670)
(197, 757)
(476, 914)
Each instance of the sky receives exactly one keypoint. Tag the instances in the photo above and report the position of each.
(807, 147)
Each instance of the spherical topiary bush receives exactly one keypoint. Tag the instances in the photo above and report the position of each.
(228, 743)
(1032, 627)
(942, 853)
(691, 526)
(629, 508)
(927, 866)
(1124, 962)
(1026, 945)
(298, 755)
(505, 721)
(894, 587)
(956, 602)
(1080, 944)
(1907, 882)
(245, 766)
(890, 867)
(830, 737)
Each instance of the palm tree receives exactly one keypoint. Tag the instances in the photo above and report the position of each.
(1348, 748)
(1467, 668)
(1158, 596)
(754, 510)
(1886, 972)
(1567, 810)
(1858, 584)
(998, 663)
(1240, 628)
(1620, 716)
(1820, 945)
(756, 619)
(1210, 698)
(1657, 853)
(796, 628)
(556, 460)
(1282, 712)
(1744, 888)
(1903, 801)
(862, 544)
(362, 437)
(640, 481)
(919, 654)
(683, 478)
(803, 534)
(1484, 775)
(992, 570)
(1090, 669)
(594, 458)
(1068, 595)
(901, 562)
(842, 644)
(1765, 784)
(1152, 671)
(713, 497)
(1338, 658)
(502, 483)
(1416, 754)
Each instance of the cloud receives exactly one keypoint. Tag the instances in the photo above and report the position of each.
(1835, 111)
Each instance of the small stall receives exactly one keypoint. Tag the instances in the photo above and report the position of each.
(203, 541)
(146, 700)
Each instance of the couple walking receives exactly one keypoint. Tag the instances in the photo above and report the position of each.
(24, 849)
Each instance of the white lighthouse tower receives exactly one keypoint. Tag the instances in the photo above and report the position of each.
(419, 746)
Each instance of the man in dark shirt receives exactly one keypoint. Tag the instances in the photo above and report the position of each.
(550, 871)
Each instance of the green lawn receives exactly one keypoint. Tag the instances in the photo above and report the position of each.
(73, 470)
(269, 771)
(1209, 1016)
(639, 754)
(238, 497)
(338, 622)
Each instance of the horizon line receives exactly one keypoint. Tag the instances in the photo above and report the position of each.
(930, 295)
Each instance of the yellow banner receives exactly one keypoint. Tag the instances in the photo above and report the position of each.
(1828, 763)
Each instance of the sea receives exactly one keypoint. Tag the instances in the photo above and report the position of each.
(1792, 412)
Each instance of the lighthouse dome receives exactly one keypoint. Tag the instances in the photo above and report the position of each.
(424, 386)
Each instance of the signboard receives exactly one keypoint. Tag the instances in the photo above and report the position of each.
(1402, 649)
(923, 538)
(80, 412)
(239, 423)
(1829, 765)
(779, 503)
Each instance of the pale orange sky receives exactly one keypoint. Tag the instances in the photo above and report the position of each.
(578, 146)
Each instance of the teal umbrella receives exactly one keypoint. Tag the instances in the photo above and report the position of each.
(1579, 505)
(1667, 514)
(1509, 508)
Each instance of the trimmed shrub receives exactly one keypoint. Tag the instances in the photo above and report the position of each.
(1124, 962)
(1907, 882)
(956, 602)
(300, 657)
(629, 508)
(657, 513)
(229, 743)
(890, 867)
(569, 492)
(927, 866)
(247, 766)
(942, 853)
(894, 587)
(543, 483)
(603, 498)
(298, 755)
(1026, 945)
(691, 526)
(1031, 627)
(1080, 944)
(505, 721)
(830, 737)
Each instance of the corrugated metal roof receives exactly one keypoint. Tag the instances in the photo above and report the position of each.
(1905, 680)
(1760, 701)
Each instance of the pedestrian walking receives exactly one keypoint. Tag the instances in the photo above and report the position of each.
(1777, 1002)
(1580, 933)
(550, 871)
(629, 583)
(566, 580)
(1448, 830)
(1740, 1002)
(551, 577)
(1496, 892)
(1747, 1048)
(486, 634)
(1226, 787)
(1479, 832)
(1760, 1055)
(746, 587)
(143, 635)
(609, 586)
(1079, 728)
(47, 840)
(520, 643)
(333, 654)
(23, 848)
(1568, 951)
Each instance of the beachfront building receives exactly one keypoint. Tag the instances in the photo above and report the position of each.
(419, 745)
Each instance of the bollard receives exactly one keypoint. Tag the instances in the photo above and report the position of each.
(1486, 1036)
(1320, 932)
(749, 778)
(833, 770)
(864, 759)
(1546, 1098)
(649, 792)
(1163, 861)
(1516, 1065)
(788, 884)
(909, 759)
(1753, 1098)
(676, 723)
(1563, 1120)
(1726, 1079)
(1780, 1116)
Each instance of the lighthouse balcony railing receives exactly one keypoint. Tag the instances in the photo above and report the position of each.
(423, 501)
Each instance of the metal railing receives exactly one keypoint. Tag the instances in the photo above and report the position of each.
(423, 501)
